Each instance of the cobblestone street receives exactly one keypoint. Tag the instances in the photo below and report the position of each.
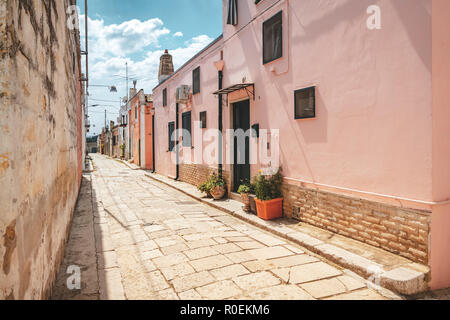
(135, 238)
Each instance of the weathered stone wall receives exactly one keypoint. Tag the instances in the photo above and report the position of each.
(402, 231)
(40, 152)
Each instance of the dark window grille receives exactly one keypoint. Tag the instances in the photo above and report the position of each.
(171, 131)
(203, 120)
(165, 97)
(232, 12)
(273, 38)
(305, 103)
(196, 81)
(187, 132)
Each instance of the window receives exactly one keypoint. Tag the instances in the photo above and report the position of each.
(187, 133)
(171, 131)
(305, 103)
(135, 113)
(203, 120)
(165, 97)
(273, 38)
(196, 81)
(232, 12)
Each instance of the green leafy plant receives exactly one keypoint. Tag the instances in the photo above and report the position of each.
(204, 187)
(213, 181)
(122, 148)
(244, 189)
(269, 187)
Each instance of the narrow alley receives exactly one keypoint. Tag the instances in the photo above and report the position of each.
(230, 150)
(134, 238)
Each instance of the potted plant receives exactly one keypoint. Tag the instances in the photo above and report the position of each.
(218, 187)
(205, 188)
(122, 148)
(215, 186)
(245, 191)
(269, 196)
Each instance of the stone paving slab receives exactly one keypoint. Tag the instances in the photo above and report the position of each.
(311, 272)
(324, 288)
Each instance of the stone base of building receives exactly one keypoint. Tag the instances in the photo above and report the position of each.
(402, 231)
(198, 174)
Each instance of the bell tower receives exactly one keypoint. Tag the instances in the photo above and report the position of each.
(165, 66)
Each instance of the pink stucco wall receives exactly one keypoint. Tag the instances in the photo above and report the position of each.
(440, 221)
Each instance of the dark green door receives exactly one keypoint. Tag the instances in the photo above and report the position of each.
(241, 120)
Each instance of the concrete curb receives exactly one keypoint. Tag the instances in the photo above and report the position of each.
(401, 280)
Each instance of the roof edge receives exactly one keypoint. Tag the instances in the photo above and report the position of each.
(190, 60)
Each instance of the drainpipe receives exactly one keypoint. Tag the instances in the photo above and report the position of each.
(153, 144)
(176, 145)
(220, 126)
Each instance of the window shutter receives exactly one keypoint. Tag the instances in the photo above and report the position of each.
(232, 12)
(196, 81)
(203, 118)
(171, 131)
(164, 97)
(187, 132)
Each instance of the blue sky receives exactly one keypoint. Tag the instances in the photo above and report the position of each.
(137, 32)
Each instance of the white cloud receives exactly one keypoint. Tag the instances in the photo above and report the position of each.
(146, 70)
(178, 34)
(122, 39)
(136, 43)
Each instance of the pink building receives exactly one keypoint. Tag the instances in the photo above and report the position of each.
(362, 114)
(140, 128)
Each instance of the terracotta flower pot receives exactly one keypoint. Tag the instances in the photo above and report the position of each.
(269, 210)
(246, 200)
(252, 203)
(218, 192)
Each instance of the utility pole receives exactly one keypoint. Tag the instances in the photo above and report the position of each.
(126, 66)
